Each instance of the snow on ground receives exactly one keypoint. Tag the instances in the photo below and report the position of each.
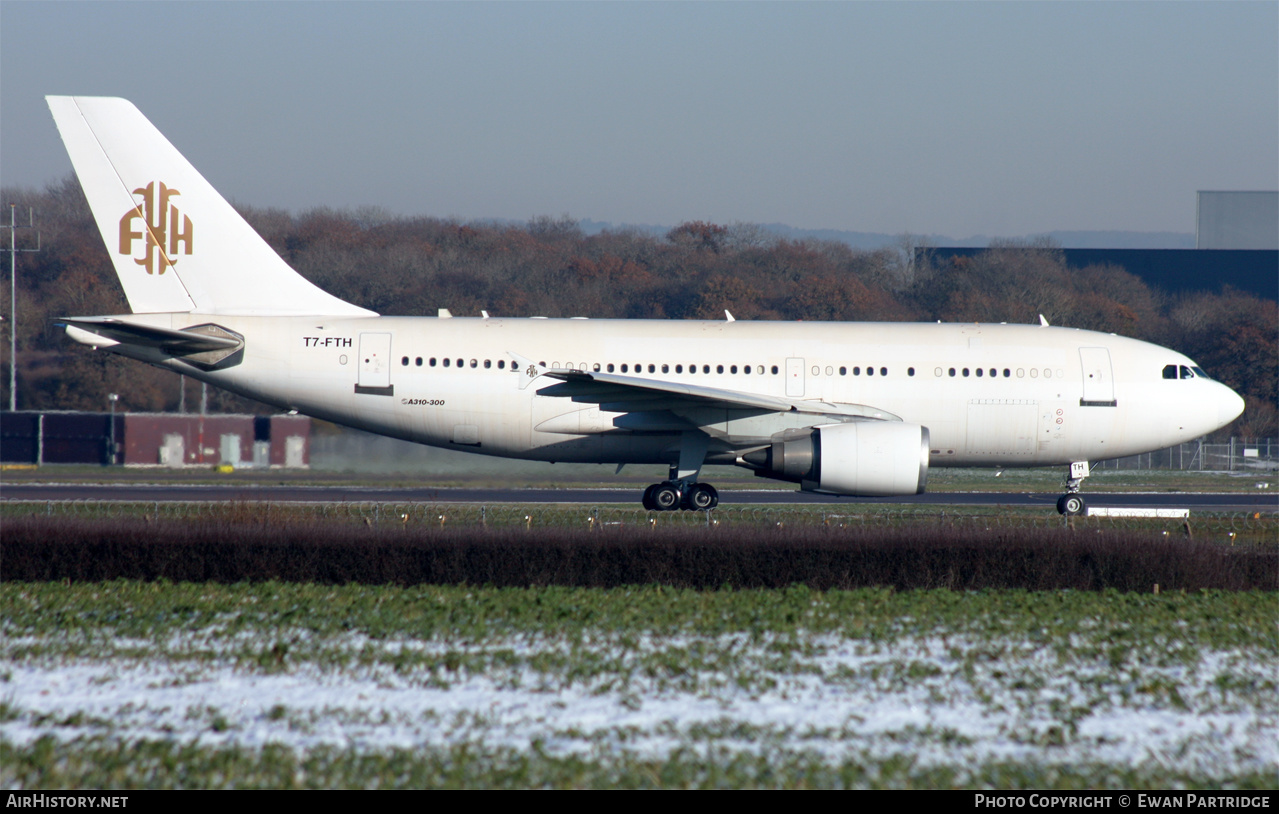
(1214, 714)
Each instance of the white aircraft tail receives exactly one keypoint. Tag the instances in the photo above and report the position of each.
(176, 244)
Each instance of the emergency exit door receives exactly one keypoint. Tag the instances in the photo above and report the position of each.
(795, 377)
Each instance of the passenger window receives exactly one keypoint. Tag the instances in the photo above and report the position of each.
(746, 369)
(1034, 373)
(870, 371)
(759, 370)
(666, 368)
(857, 371)
(965, 372)
(732, 369)
(652, 368)
(459, 362)
(937, 372)
(405, 361)
(1048, 373)
(501, 364)
(910, 371)
(719, 368)
(830, 371)
(952, 372)
(883, 371)
(446, 362)
(843, 371)
(993, 373)
(1007, 373)
(488, 363)
(432, 361)
(679, 368)
(979, 373)
(596, 367)
(610, 367)
(817, 371)
(774, 369)
(418, 361)
(623, 367)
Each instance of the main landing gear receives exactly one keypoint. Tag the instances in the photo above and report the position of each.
(681, 489)
(1072, 502)
(673, 494)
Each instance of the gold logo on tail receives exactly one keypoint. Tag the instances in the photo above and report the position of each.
(159, 227)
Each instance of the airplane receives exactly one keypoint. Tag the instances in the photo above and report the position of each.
(856, 409)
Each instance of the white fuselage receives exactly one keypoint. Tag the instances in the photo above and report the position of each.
(995, 395)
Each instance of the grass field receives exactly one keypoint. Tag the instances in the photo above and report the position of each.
(128, 684)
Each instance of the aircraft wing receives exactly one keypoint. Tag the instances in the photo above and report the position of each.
(623, 394)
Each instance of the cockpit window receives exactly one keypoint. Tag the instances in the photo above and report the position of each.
(1183, 372)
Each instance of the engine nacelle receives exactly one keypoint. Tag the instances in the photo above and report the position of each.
(868, 458)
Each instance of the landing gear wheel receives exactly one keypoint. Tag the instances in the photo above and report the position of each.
(701, 497)
(649, 505)
(1071, 505)
(665, 497)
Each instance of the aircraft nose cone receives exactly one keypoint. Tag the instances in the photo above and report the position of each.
(1229, 406)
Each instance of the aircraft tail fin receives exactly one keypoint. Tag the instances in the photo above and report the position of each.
(176, 244)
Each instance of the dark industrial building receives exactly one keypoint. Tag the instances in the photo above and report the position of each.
(155, 439)
(1237, 246)
(1254, 271)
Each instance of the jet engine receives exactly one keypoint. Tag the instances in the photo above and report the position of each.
(869, 458)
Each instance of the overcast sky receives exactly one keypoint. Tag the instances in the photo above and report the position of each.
(956, 119)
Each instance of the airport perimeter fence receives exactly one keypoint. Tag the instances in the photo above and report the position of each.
(1260, 455)
(354, 451)
(1256, 526)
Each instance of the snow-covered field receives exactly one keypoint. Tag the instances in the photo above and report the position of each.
(957, 701)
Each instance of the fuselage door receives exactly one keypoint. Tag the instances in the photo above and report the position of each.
(795, 377)
(375, 365)
(1099, 384)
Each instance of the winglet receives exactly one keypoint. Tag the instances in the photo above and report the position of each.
(1043, 323)
(728, 317)
(530, 371)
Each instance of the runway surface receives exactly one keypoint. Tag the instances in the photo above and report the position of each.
(1198, 502)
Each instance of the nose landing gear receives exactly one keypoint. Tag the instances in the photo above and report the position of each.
(1072, 503)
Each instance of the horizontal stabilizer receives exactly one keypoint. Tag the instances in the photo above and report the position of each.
(203, 345)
